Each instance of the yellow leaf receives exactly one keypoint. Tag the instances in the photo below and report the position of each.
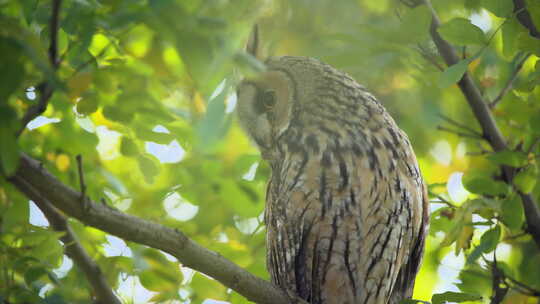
(62, 162)
(50, 156)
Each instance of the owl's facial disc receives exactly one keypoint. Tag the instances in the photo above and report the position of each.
(264, 107)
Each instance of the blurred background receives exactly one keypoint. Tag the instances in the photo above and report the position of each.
(146, 95)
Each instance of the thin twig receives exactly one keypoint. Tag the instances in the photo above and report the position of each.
(81, 175)
(515, 236)
(509, 82)
(498, 279)
(442, 200)
(83, 65)
(459, 125)
(45, 89)
(532, 291)
(73, 248)
(55, 21)
(459, 133)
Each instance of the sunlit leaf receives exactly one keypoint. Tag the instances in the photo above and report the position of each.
(458, 297)
(512, 212)
(461, 31)
(488, 243)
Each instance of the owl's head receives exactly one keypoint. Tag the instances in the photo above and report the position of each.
(270, 101)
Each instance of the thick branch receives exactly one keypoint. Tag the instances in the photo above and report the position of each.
(73, 248)
(524, 18)
(489, 127)
(148, 233)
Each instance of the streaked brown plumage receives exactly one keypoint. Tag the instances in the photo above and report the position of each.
(346, 207)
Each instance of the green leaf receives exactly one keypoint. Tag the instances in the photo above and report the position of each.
(9, 150)
(212, 126)
(458, 297)
(480, 184)
(240, 199)
(12, 64)
(148, 168)
(509, 158)
(128, 147)
(453, 73)
(88, 104)
(119, 113)
(488, 242)
(528, 44)
(526, 179)
(491, 238)
(161, 275)
(500, 8)
(510, 32)
(154, 282)
(34, 274)
(461, 31)
(512, 212)
(15, 216)
(29, 44)
(534, 123)
(143, 133)
(29, 8)
(415, 24)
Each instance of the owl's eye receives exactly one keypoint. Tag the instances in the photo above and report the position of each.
(266, 99)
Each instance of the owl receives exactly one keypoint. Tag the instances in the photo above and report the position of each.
(346, 207)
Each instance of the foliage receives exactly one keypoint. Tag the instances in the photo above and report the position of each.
(145, 91)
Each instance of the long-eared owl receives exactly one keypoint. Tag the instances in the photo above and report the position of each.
(346, 206)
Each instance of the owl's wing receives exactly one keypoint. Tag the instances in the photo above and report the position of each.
(403, 287)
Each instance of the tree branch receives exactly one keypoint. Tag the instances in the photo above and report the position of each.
(73, 248)
(45, 89)
(148, 233)
(489, 127)
(460, 125)
(524, 18)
